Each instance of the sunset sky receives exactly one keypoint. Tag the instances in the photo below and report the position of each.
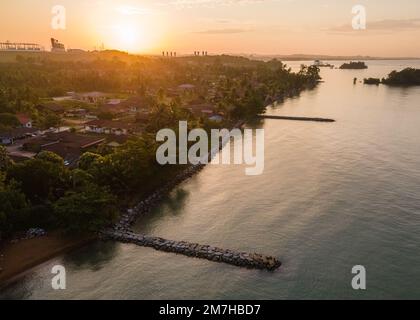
(220, 26)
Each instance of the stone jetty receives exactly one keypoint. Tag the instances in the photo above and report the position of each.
(122, 231)
(295, 118)
(240, 259)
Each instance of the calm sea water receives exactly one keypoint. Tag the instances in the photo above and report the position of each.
(332, 196)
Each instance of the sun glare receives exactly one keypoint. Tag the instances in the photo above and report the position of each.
(131, 37)
(131, 29)
(128, 35)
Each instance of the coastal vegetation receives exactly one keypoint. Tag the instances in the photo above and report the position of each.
(406, 77)
(354, 65)
(44, 192)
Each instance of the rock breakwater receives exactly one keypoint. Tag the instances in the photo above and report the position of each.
(240, 259)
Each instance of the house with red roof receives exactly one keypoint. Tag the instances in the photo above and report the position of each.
(24, 120)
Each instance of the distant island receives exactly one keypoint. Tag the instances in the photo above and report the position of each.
(406, 77)
(375, 81)
(354, 65)
(312, 57)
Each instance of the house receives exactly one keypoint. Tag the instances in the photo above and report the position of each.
(216, 118)
(91, 116)
(114, 109)
(24, 120)
(11, 136)
(200, 108)
(76, 113)
(94, 97)
(113, 102)
(131, 105)
(186, 87)
(135, 104)
(109, 127)
(70, 146)
(64, 98)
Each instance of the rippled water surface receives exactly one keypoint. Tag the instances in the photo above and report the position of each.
(332, 196)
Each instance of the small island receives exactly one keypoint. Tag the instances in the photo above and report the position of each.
(354, 65)
(374, 81)
(406, 77)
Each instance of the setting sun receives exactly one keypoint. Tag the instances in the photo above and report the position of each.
(128, 37)
(131, 29)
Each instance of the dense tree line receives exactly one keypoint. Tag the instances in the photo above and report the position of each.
(406, 77)
(43, 192)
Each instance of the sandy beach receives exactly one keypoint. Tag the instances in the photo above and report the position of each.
(17, 258)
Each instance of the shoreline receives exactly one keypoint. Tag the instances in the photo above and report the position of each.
(17, 259)
(12, 272)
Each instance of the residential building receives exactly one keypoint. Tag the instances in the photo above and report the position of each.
(216, 118)
(76, 113)
(131, 105)
(109, 127)
(9, 137)
(70, 146)
(94, 97)
(186, 87)
(24, 120)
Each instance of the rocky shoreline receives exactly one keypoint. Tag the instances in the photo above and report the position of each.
(144, 207)
(121, 231)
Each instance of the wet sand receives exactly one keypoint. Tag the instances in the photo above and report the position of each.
(17, 258)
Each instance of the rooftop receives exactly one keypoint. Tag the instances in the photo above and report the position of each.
(17, 132)
(23, 118)
(70, 146)
(95, 94)
(186, 86)
(110, 124)
(70, 139)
